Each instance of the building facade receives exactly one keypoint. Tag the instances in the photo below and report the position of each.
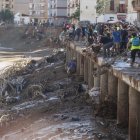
(88, 10)
(114, 10)
(57, 11)
(72, 6)
(21, 6)
(0, 5)
(38, 10)
(132, 14)
(136, 5)
(134, 11)
(6, 4)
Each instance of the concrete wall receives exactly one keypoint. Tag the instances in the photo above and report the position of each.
(120, 83)
(87, 10)
(132, 15)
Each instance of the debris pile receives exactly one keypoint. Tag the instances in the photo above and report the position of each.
(107, 109)
(32, 87)
(28, 77)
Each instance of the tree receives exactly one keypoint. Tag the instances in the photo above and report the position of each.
(100, 6)
(6, 16)
(76, 14)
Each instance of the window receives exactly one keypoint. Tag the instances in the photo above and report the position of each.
(122, 8)
(7, 5)
(112, 5)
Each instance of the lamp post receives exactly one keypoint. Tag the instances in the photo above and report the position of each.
(96, 20)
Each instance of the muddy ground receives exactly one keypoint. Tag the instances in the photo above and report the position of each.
(54, 108)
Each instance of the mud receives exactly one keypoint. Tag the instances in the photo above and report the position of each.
(56, 110)
(69, 117)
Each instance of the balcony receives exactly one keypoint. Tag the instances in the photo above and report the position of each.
(121, 8)
(6, 1)
(137, 8)
(136, 5)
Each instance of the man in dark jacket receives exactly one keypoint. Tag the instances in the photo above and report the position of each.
(78, 33)
(124, 39)
(107, 43)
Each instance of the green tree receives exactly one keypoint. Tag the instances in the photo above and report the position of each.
(100, 6)
(6, 16)
(76, 14)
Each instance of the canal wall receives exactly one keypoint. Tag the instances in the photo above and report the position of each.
(120, 81)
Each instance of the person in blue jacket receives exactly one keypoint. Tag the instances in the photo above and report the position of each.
(71, 67)
(116, 39)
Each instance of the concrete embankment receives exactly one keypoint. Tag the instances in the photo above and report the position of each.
(120, 81)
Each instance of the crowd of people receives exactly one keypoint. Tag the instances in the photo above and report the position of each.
(114, 39)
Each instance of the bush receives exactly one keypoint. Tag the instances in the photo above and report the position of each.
(6, 16)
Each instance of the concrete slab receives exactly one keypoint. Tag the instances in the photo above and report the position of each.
(122, 70)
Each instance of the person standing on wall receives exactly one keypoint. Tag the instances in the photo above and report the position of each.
(134, 44)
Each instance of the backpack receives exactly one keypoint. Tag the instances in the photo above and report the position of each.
(136, 41)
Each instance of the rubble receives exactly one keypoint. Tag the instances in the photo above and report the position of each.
(94, 94)
(44, 103)
(4, 120)
(35, 91)
(11, 100)
(15, 79)
(75, 119)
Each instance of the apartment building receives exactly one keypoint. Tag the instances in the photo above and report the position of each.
(6, 4)
(72, 6)
(132, 14)
(87, 10)
(136, 5)
(116, 6)
(57, 11)
(38, 10)
(134, 11)
(114, 10)
(21, 6)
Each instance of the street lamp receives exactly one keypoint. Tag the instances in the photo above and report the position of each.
(96, 20)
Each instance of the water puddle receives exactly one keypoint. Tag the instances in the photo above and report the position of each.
(4, 48)
(40, 130)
